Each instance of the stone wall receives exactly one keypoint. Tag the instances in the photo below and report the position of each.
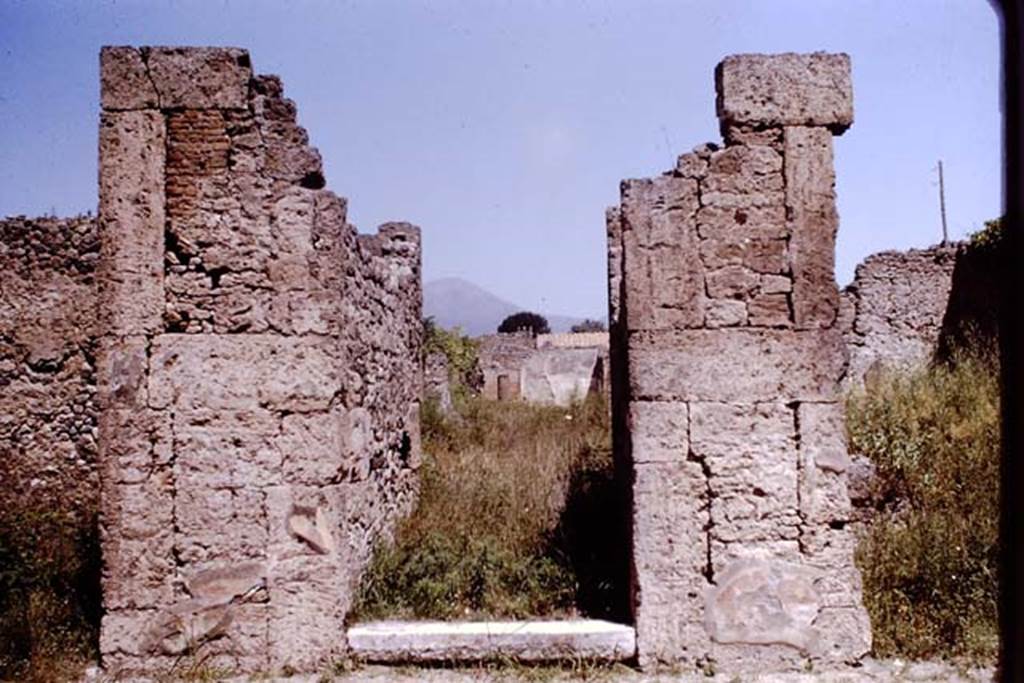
(258, 371)
(550, 369)
(48, 411)
(892, 313)
(503, 355)
(728, 358)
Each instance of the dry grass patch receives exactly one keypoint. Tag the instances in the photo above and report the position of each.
(512, 496)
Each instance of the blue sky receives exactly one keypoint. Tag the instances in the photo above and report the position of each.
(503, 128)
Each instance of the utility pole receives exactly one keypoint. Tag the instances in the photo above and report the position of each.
(942, 206)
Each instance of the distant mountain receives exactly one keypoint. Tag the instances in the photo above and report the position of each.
(452, 301)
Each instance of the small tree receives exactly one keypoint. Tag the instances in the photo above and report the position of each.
(589, 325)
(525, 320)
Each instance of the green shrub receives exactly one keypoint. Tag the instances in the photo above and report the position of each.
(929, 566)
(495, 533)
(49, 591)
(462, 354)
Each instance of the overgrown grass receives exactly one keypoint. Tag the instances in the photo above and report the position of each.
(929, 564)
(512, 497)
(49, 591)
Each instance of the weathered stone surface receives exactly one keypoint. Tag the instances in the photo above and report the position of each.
(732, 282)
(762, 603)
(751, 460)
(124, 80)
(670, 554)
(663, 288)
(725, 313)
(559, 376)
(769, 310)
(823, 435)
(48, 402)
(311, 526)
(258, 355)
(737, 365)
(661, 431)
(226, 583)
(325, 448)
(242, 372)
(748, 503)
(131, 222)
(199, 77)
(810, 206)
(122, 365)
(734, 224)
(896, 306)
(786, 90)
(669, 542)
(436, 641)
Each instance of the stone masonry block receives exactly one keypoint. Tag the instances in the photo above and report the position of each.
(664, 284)
(810, 206)
(670, 556)
(760, 602)
(734, 224)
(134, 443)
(200, 77)
(243, 372)
(131, 206)
(124, 80)
(122, 365)
(785, 90)
(736, 365)
(823, 435)
(725, 313)
(227, 449)
(769, 310)
(660, 431)
(325, 447)
(131, 222)
(750, 454)
(669, 516)
(219, 524)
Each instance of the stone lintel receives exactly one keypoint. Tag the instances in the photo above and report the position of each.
(758, 91)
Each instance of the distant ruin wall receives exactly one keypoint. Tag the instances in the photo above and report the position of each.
(549, 369)
(258, 371)
(728, 358)
(48, 410)
(892, 313)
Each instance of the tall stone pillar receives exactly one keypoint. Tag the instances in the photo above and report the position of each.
(730, 423)
(258, 372)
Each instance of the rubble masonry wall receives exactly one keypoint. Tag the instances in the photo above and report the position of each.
(258, 371)
(892, 313)
(727, 360)
(48, 411)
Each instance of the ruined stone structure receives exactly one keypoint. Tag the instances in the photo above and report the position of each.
(552, 369)
(48, 410)
(892, 313)
(727, 360)
(258, 371)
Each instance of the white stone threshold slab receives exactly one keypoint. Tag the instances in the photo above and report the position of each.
(465, 641)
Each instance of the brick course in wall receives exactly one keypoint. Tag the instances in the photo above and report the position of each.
(728, 359)
(258, 371)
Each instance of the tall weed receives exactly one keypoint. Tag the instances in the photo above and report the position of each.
(49, 591)
(929, 564)
(494, 534)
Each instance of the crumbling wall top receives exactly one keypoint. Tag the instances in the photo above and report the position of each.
(785, 90)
